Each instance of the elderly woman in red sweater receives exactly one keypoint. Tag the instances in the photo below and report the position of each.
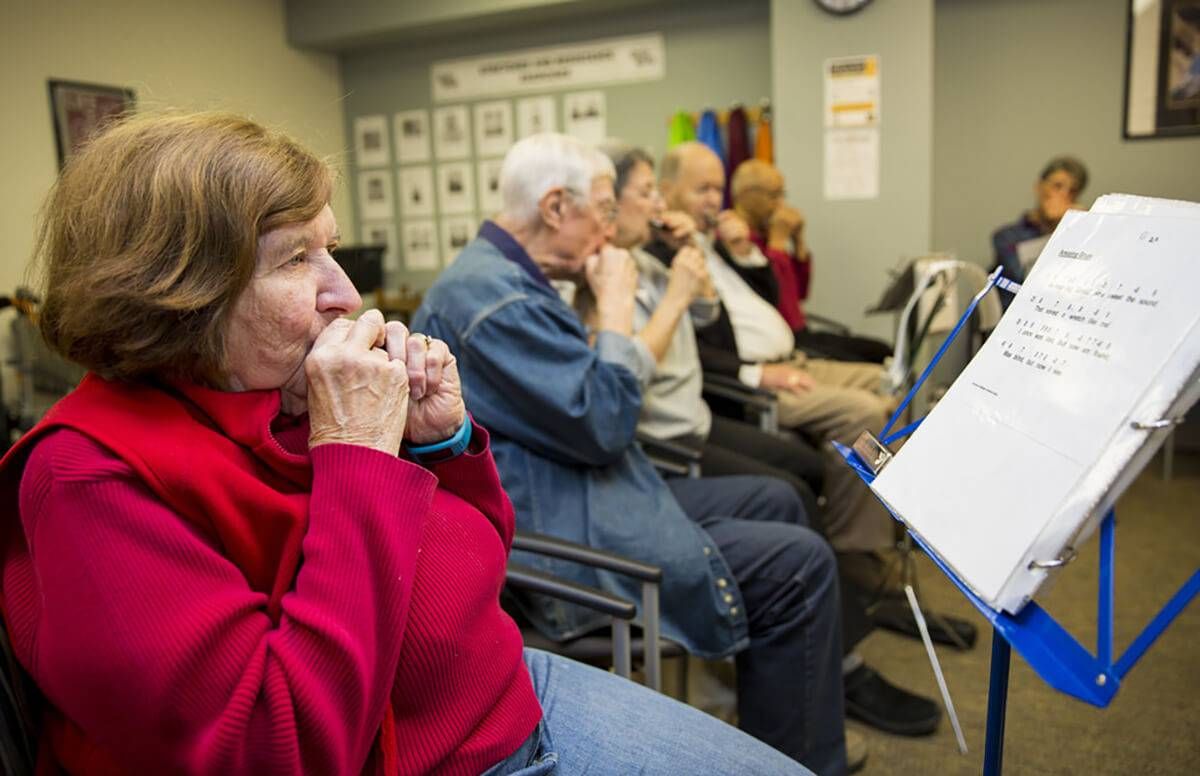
(261, 537)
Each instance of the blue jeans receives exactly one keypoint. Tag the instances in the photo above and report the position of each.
(596, 722)
(790, 677)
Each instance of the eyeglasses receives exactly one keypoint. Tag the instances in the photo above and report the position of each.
(605, 211)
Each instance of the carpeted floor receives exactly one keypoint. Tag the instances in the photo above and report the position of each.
(1153, 724)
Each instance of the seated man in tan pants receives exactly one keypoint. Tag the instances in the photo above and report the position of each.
(825, 400)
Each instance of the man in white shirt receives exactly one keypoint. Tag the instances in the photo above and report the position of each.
(825, 400)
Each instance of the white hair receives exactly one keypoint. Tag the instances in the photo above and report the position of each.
(548, 161)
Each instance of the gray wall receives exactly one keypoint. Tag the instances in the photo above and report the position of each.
(1018, 81)
(715, 55)
(855, 242)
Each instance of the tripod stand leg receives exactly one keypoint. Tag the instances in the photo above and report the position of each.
(937, 668)
(993, 754)
(938, 620)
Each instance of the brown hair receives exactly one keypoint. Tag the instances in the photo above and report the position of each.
(150, 235)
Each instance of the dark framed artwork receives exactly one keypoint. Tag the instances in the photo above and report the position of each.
(80, 109)
(1162, 69)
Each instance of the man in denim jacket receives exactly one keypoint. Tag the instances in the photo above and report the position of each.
(742, 574)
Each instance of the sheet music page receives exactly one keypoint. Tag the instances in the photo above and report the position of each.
(1098, 321)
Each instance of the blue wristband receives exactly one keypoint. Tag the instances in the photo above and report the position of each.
(446, 449)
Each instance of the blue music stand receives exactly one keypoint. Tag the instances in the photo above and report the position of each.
(1051, 651)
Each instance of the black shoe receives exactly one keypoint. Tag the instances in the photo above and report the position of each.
(873, 700)
(896, 615)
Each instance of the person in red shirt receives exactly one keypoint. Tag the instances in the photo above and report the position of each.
(264, 537)
(777, 229)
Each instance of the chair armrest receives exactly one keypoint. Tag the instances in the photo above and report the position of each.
(654, 446)
(760, 402)
(554, 547)
(828, 324)
(671, 458)
(731, 388)
(525, 578)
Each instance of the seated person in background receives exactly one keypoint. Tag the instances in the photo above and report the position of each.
(673, 408)
(671, 302)
(268, 537)
(1057, 190)
(742, 575)
(751, 341)
(778, 230)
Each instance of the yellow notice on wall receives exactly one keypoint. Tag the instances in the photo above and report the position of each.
(852, 91)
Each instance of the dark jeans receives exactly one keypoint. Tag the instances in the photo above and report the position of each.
(790, 677)
(842, 347)
(734, 447)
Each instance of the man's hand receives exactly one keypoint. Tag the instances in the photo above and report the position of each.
(733, 230)
(785, 377)
(612, 276)
(786, 224)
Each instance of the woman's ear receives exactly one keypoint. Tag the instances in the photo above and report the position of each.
(552, 208)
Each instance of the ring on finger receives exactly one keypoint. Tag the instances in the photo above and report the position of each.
(428, 341)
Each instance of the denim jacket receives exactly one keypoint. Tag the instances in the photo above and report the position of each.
(562, 415)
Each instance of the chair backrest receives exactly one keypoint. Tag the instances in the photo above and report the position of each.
(18, 712)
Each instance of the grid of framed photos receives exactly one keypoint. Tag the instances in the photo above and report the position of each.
(427, 177)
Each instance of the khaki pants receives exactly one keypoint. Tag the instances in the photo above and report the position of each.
(844, 403)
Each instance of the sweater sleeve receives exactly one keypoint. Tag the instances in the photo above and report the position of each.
(473, 477)
(150, 640)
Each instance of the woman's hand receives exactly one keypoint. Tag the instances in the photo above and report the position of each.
(689, 277)
(358, 392)
(435, 408)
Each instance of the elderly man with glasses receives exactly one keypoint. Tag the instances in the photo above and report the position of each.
(742, 574)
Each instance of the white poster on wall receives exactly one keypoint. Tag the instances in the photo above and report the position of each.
(457, 231)
(852, 91)
(370, 141)
(411, 130)
(416, 191)
(375, 195)
(456, 194)
(419, 245)
(613, 60)
(490, 201)
(852, 163)
(493, 128)
(383, 233)
(535, 115)
(452, 132)
(584, 116)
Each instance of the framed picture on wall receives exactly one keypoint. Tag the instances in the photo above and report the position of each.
(493, 128)
(80, 109)
(457, 231)
(456, 189)
(451, 132)
(371, 141)
(534, 115)
(1162, 69)
(411, 128)
(416, 191)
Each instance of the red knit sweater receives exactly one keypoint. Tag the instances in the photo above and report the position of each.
(154, 631)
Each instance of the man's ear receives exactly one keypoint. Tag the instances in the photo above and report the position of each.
(552, 208)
